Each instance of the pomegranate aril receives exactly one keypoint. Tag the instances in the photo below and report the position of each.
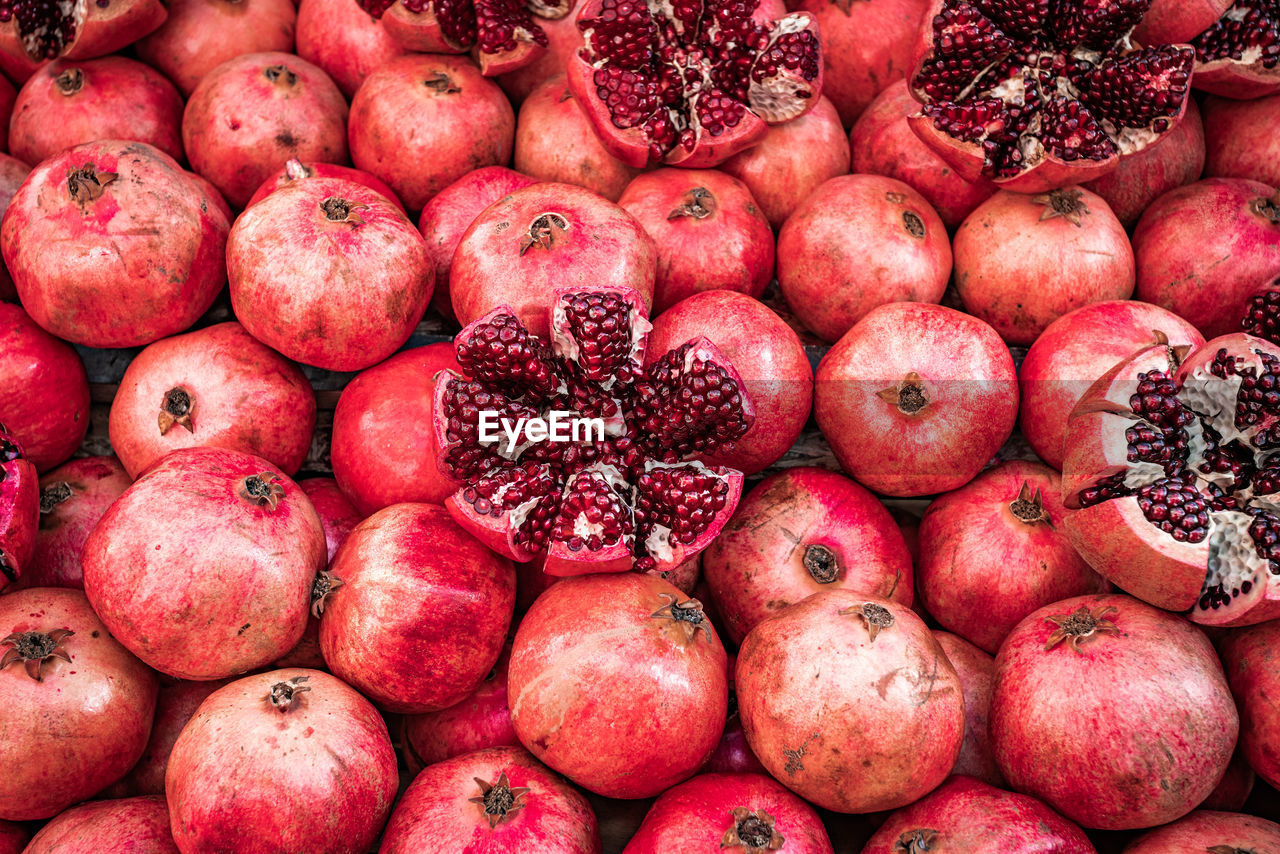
(685, 499)
(599, 326)
(1135, 90)
(502, 24)
(1016, 16)
(1177, 508)
(1262, 314)
(592, 514)
(500, 351)
(1099, 23)
(1252, 27)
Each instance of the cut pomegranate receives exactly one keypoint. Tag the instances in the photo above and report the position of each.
(691, 83)
(1239, 56)
(32, 31)
(1034, 95)
(617, 494)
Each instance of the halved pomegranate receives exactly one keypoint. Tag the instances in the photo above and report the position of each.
(32, 31)
(692, 82)
(1239, 56)
(615, 492)
(1034, 95)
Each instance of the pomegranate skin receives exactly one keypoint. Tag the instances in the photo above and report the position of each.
(300, 762)
(799, 532)
(915, 353)
(295, 170)
(1202, 249)
(338, 516)
(1235, 787)
(857, 242)
(19, 509)
(73, 498)
(967, 816)
(1077, 710)
(1249, 656)
(1074, 351)
(563, 41)
(104, 695)
(376, 636)
(1207, 829)
(344, 40)
(703, 813)
(216, 387)
(421, 122)
(850, 702)
(481, 720)
(1240, 139)
(176, 703)
(46, 390)
(103, 295)
(125, 826)
(768, 356)
(13, 837)
(379, 456)
(733, 754)
(12, 173)
(500, 260)
(439, 811)
(1066, 241)
(8, 94)
(592, 658)
(1169, 21)
(976, 670)
(229, 586)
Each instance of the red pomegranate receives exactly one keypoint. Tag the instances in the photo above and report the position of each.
(1067, 241)
(375, 634)
(976, 670)
(563, 40)
(419, 123)
(547, 236)
(73, 498)
(252, 113)
(293, 260)
(969, 816)
(216, 387)
(8, 94)
(176, 704)
(126, 826)
(451, 211)
(747, 812)
(594, 659)
(320, 776)
(799, 532)
(1202, 249)
(150, 245)
(19, 509)
(768, 356)
(1238, 56)
(792, 161)
(993, 551)
(13, 837)
(33, 32)
(295, 170)
(13, 172)
(382, 454)
(71, 676)
(916, 398)
(732, 755)
(338, 516)
(480, 720)
(1240, 139)
(344, 40)
(204, 565)
(1235, 787)
(1178, 20)
(1249, 657)
(1211, 831)
(849, 701)
(1076, 349)
(857, 242)
(46, 390)
(500, 799)
(1088, 659)
(710, 233)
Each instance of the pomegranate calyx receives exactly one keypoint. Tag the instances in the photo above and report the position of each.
(753, 831)
(1066, 203)
(909, 394)
(52, 495)
(698, 203)
(442, 84)
(262, 490)
(1028, 507)
(70, 81)
(340, 210)
(325, 583)
(821, 563)
(916, 841)
(687, 614)
(1080, 626)
(34, 649)
(177, 407)
(287, 694)
(281, 75)
(1267, 207)
(875, 617)
(544, 232)
(1228, 849)
(86, 183)
(498, 800)
(296, 170)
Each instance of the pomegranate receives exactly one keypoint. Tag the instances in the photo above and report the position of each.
(1034, 96)
(1234, 788)
(320, 775)
(252, 113)
(709, 232)
(1178, 20)
(73, 498)
(850, 702)
(883, 143)
(733, 754)
(857, 242)
(1144, 177)
(13, 837)
(1076, 349)
(293, 261)
(419, 123)
(203, 566)
(34, 32)
(150, 245)
(967, 816)
(1239, 55)
(480, 720)
(338, 516)
(915, 398)
(1210, 831)
(46, 390)
(126, 826)
(976, 670)
(767, 354)
(344, 40)
(993, 551)
(735, 812)
(13, 172)
(590, 473)
(381, 457)
(295, 170)
(500, 799)
(200, 35)
(799, 532)
(563, 41)
(1087, 660)
(1202, 249)
(597, 657)
(1240, 139)
(451, 211)
(8, 94)
(1067, 241)
(1249, 658)
(792, 161)
(19, 509)
(694, 84)
(215, 387)
(547, 236)
(376, 636)
(72, 677)
(176, 703)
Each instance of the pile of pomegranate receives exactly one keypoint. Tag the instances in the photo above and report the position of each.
(636, 427)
